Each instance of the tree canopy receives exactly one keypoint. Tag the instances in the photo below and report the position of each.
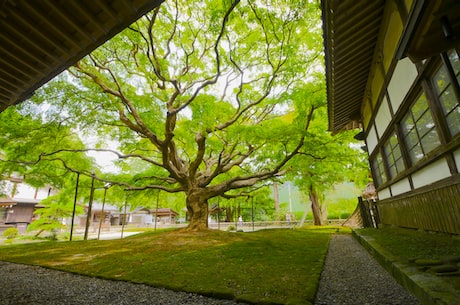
(207, 99)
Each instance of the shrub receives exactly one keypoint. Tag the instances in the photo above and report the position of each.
(11, 233)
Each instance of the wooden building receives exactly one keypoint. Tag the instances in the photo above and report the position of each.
(18, 206)
(164, 215)
(393, 69)
(16, 213)
(117, 216)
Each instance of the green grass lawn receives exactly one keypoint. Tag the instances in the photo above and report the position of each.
(409, 245)
(264, 267)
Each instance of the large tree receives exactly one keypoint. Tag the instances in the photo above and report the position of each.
(202, 96)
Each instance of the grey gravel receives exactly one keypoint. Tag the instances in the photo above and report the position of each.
(351, 276)
(23, 284)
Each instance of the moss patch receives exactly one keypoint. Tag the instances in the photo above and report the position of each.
(265, 267)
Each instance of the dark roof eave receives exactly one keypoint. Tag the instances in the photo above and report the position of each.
(343, 110)
(18, 84)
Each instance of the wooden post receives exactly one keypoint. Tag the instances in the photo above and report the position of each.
(106, 187)
(74, 205)
(90, 205)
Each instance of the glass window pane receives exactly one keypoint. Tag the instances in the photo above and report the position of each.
(453, 57)
(397, 153)
(441, 79)
(425, 124)
(393, 171)
(379, 172)
(423, 138)
(420, 107)
(416, 153)
(453, 120)
(394, 141)
(400, 165)
(411, 140)
(448, 100)
(392, 153)
(430, 141)
(408, 124)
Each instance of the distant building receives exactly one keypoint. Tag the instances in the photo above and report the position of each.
(116, 216)
(165, 215)
(17, 208)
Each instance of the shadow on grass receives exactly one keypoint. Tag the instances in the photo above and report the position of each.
(279, 266)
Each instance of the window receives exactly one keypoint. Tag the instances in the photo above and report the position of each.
(393, 156)
(419, 130)
(443, 82)
(378, 170)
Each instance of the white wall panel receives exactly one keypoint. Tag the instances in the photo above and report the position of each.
(402, 79)
(400, 187)
(431, 173)
(383, 117)
(385, 193)
(371, 139)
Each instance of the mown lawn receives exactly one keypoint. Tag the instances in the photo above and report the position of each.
(269, 266)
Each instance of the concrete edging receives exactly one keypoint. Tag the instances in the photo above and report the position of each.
(427, 288)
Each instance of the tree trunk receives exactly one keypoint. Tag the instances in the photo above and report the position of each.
(228, 214)
(276, 196)
(197, 207)
(316, 209)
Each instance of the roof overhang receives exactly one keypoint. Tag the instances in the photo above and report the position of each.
(40, 39)
(432, 27)
(7, 202)
(351, 32)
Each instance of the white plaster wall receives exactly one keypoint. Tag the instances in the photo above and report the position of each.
(402, 79)
(371, 139)
(431, 173)
(400, 187)
(385, 193)
(383, 118)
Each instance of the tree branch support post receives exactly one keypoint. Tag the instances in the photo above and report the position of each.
(123, 219)
(74, 206)
(90, 205)
(218, 213)
(156, 212)
(106, 187)
(252, 212)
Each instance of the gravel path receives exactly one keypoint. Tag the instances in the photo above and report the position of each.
(351, 276)
(22, 284)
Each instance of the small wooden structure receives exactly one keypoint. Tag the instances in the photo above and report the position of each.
(16, 213)
(164, 215)
(114, 216)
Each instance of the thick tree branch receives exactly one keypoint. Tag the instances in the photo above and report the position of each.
(216, 76)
